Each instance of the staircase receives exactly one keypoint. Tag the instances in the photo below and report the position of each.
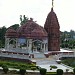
(39, 55)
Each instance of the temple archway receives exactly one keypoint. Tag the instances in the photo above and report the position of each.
(12, 43)
(36, 45)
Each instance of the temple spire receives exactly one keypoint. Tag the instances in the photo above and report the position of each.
(52, 3)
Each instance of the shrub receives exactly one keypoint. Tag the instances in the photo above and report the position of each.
(74, 70)
(5, 69)
(33, 68)
(4, 65)
(59, 72)
(54, 67)
(22, 71)
(43, 71)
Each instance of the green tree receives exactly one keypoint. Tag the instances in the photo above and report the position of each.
(23, 19)
(2, 36)
(15, 26)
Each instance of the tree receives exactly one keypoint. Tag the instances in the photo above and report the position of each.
(15, 26)
(72, 33)
(2, 36)
(23, 20)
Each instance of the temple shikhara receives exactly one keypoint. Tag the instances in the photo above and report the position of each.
(52, 28)
(31, 39)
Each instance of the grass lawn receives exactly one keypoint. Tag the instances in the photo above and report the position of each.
(69, 62)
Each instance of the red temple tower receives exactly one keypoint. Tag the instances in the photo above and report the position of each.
(53, 29)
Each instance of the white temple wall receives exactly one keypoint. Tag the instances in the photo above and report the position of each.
(30, 45)
(45, 43)
(6, 43)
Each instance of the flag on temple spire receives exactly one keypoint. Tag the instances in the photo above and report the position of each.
(52, 3)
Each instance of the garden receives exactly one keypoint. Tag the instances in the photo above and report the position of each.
(21, 68)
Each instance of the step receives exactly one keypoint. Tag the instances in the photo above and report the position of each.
(39, 55)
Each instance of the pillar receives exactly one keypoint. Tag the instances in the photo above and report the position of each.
(45, 42)
(30, 46)
(27, 45)
(16, 43)
(44, 47)
(6, 43)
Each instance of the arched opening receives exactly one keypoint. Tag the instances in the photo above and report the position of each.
(37, 45)
(12, 44)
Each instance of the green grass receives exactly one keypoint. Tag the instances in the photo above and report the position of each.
(69, 62)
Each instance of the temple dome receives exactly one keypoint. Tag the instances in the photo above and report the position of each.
(32, 30)
(11, 33)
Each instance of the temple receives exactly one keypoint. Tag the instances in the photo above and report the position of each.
(31, 40)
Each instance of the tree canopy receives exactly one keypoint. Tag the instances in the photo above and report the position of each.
(23, 19)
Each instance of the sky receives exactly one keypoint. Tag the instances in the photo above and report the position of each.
(10, 11)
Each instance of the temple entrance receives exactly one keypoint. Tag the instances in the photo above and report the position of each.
(37, 46)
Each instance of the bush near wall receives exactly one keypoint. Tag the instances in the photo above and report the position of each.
(74, 70)
(53, 66)
(5, 69)
(33, 68)
(22, 71)
(43, 71)
(59, 72)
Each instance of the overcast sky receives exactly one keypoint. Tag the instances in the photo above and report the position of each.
(10, 11)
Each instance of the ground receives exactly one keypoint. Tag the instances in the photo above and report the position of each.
(44, 63)
(47, 62)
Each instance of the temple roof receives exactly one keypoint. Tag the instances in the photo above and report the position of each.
(10, 33)
(32, 30)
(29, 30)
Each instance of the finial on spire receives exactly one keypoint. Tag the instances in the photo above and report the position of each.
(52, 3)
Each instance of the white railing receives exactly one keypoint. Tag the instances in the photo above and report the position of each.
(66, 55)
(14, 55)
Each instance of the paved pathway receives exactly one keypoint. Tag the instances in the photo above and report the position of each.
(46, 62)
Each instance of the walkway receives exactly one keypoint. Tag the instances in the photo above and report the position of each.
(47, 62)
